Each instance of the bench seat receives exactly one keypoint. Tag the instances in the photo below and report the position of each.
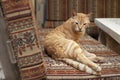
(60, 70)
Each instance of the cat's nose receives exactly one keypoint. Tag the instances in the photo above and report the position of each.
(80, 29)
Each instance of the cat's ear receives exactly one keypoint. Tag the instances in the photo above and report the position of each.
(89, 14)
(74, 13)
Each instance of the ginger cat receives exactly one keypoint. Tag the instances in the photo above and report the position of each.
(62, 44)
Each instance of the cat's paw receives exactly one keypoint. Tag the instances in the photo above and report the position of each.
(99, 59)
(98, 69)
(97, 73)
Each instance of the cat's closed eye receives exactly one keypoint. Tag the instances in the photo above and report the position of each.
(84, 23)
(76, 22)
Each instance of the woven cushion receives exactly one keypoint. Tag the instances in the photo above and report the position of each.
(60, 70)
(21, 27)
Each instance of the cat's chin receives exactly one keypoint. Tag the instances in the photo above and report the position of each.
(79, 30)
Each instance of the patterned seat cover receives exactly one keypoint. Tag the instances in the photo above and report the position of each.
(23, 36)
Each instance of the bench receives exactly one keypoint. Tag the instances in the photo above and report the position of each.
(60, 70)
(29, 64)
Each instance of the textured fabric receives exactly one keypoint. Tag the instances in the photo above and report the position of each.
(61, 10)
(22, 32)
(60, 70)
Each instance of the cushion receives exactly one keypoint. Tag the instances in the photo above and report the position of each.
(60, 70)
(22, 33)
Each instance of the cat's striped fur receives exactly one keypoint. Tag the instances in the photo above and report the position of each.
(62, 44)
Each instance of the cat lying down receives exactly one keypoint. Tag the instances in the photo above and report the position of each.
(62, 44)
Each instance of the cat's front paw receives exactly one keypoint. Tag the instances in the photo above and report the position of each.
(99, 60)
(98, 74)
(98, 69)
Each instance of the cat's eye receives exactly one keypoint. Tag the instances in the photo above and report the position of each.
(76, 22)
(84, 24)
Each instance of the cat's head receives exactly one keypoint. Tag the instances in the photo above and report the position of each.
(80, 21)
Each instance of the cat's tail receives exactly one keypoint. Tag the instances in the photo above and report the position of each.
(80, 66)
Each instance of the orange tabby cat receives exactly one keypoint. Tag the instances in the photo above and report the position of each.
(62, 44)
